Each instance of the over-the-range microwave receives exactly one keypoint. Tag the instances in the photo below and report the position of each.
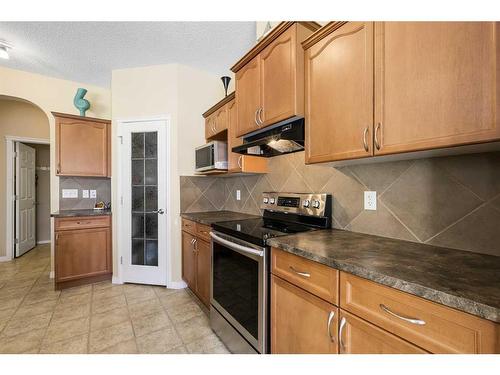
(211, 156)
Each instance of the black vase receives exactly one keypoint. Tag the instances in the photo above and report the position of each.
(225, 82)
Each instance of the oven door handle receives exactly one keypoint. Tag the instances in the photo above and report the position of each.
(236, 246)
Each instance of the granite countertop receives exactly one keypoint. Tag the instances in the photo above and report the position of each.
(211, 217)
(75, 213)
(463, 280)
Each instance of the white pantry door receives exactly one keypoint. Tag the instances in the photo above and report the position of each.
(25, 202)
(143, 216)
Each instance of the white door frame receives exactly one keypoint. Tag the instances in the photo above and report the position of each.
(9, 190)
(120, 212)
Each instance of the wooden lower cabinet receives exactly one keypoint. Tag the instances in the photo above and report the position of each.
(82, 255)
(196, 262)
(357, 336)
(300, 321)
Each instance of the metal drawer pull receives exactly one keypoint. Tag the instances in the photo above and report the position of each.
(87, 222)
(365, 142)
(341, 329)
(328, 326)
(304, 274)
(239, 161)
(409, 320)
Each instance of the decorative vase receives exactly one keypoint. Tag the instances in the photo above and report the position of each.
(225, 82)
(80, 103)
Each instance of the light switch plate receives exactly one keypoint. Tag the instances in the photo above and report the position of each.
(85, 193)
(70, 193)
(370, 200)
(93, 194)
(238, 195)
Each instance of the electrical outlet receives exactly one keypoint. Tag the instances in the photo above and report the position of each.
(85, 193)
(238, 195)
(93, 194)
(370, 200)
(70, 193)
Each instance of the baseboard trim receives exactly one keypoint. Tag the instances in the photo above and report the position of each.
(176, 285)
(51, 275)
(116, 280)
(5, 258)
(42, 242)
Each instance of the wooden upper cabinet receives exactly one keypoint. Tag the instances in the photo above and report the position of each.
(216, 123)
(270, 78)
(435, 84)
(300, 321)
(357, 336)
(83, 146)
(248, 97)
(339, 93)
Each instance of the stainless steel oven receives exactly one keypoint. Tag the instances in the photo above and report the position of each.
(239, 295)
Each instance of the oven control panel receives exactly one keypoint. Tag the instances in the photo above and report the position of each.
(298, 203)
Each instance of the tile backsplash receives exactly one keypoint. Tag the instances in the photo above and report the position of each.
(101, 185)
(448, 201)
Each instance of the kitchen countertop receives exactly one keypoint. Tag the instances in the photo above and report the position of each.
(75, 213)
(463, 280)
(211, 217)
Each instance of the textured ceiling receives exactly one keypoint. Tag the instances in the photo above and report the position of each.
(88, 51)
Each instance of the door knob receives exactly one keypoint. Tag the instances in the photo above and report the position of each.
(159, 211)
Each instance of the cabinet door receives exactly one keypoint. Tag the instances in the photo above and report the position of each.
(357, 336)
(435, 84)
(82, 148)
(339, 94)
(300, 321)
(278, 78)
(209, 129)
(188, 260)
(203, 265)
(82, 253)
(248, 97)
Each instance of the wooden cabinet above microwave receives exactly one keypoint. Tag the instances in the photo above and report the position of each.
(384, 88)
(270, 78)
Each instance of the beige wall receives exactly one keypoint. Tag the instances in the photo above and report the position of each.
(183, 93)
(22, 119)
(52, 94)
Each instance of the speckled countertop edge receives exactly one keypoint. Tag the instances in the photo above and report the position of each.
(460, 303)
(212, 217)
(77, 213)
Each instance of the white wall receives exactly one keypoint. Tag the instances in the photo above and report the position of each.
(183, 93)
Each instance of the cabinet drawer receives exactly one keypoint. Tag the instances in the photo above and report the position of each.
(203, 231)
(434, 327)
(82, 222)
(316, 278)
(189, 226)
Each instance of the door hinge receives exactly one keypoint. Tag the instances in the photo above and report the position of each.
(15, 197)
(121, 260)
(16, 154)
(121, 200)
(16, 241)
(121, 139)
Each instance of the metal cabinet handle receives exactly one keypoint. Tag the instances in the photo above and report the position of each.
(58, 170)
(255, 117)
(377, 128)
(343, 322)
(417, 321)
(329, 324)
(239, 161)
(192, 241)
(365, 142)
(304, 274)
(259, 115)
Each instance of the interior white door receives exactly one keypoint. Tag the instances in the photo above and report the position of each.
(143, 217)
(25, 199)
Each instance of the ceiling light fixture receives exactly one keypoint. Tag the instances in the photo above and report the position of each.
(4, 49)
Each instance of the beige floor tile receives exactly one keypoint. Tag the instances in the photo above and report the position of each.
(113, 290)
(140, 295)
(7, 313)
(109, 336)
(74, 345)
(58, 331)
(175, 299)
(75, 300)
(36, 308)
(40, 296)
(103, 285)
(147, 324)
(14, 292)
(159, 342)
(186, 311)
(207, 344)
(143, 308)
(109, 318)
(63, 313)
(194, 329)
(124, 347)
(162, 291)
(10, 302)
(76, 290)
(17, 326)
(21, 343)
(178, 350)
(107, 304)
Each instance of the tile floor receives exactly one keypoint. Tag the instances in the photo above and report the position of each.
(97, 318)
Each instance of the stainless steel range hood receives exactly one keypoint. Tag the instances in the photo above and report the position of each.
(278, 140)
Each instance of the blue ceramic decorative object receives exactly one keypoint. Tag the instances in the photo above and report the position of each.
(80, 103)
